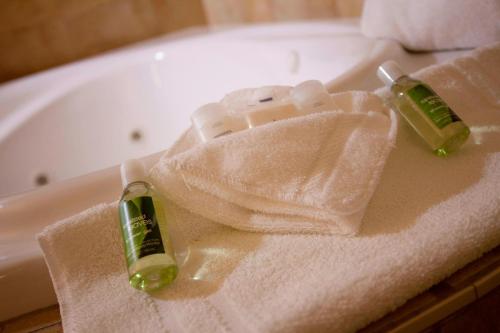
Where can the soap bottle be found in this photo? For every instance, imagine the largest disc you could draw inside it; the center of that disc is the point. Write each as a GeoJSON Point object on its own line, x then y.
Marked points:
{"type": "Point", "coordinates": [424, 110]}
{"type": "Point", "coordinates": [148, 249]}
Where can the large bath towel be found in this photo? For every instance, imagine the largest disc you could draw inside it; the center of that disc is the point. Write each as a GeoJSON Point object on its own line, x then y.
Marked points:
{"type": "Point", "coordinates": [428, 217]}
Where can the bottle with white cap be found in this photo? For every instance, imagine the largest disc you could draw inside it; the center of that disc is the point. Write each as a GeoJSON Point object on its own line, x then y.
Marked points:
{"type": "Point", "coordinates": [212, 121]}
{"type": "Point", "coordinates": [424, 110]}
{"type": "Point", "coordinates": [148, 249]}
{"type": "Point", "coordinates": [311, 96]}
{"type": "Point", "coordinates": [269, 112]}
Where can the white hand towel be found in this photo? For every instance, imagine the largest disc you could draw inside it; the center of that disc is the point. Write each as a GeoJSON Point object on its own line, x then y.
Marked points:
{"type": "Point", "coordinates": [428, 217]}
{"type": "Point", "coordinates": [313, 173]}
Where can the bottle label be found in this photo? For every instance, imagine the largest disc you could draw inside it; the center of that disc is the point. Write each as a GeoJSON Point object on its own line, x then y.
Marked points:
{"type": "Point", "coordinates": [432, 105]}
{"type": "Point", "coordinates": [140, 228]}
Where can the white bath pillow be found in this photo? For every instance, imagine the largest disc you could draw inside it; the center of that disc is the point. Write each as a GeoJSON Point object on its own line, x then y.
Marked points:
{"type": "Point", "coordinates": [433, 24]}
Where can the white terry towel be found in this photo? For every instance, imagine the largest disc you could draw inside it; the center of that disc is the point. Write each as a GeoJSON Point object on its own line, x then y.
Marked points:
{"type": "Point", "coordinates": [428, 217]}
{"type": "Point", "coordinates": [433, 24]}
{"type": "Point", "coordinates": [312, 173]}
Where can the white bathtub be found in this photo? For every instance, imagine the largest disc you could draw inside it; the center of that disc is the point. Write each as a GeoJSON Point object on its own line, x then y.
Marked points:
{"type": "Point", "coordinates": [69, 127]}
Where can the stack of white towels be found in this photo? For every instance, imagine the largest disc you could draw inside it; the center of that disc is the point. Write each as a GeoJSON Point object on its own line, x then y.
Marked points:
{"type": "Point", "coordinates": [293, 227]}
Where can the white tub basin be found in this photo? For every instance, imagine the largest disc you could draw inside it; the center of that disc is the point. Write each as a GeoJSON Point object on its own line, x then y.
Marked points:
{"type": "Point", "coordinates": [91, 115]}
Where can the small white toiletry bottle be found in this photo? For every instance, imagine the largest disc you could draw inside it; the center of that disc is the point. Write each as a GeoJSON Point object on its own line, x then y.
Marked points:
{"type": "Point", "coordinates": [212, 121]}
{"type": "Point", "coordinates": [263, 95]}
{"type": "Point", "coordinates": [269, 112]}
{"type": "Point", "coordinates": [150, 258]}
{"type": "Point", "coordinates": [267, 95]}
{"type": "Point", "coordinates": [311, 96]}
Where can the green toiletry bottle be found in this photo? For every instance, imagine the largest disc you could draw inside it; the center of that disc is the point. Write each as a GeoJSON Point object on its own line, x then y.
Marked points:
{"type": "Point", "coordinates": [148, 250]}
{"type": "Point", "coordinates": [424, 110]}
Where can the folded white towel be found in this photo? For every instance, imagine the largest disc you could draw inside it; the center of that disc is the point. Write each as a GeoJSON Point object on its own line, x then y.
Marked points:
{"type": "Point", "coordinates": [428, 217]}
{"type": "Point", "coordinates": [313, 173]}
{"type": "Point", "coordinates": [433, 24]}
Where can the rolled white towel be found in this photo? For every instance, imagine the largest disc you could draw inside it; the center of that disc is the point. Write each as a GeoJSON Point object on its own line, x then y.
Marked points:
{"type": "Point", "coordinates": [433, 24]}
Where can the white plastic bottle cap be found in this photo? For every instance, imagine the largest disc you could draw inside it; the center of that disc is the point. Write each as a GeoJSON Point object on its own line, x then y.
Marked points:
{"type": "Point", "coordinates": [132, 171]}
{"type": "Point", "coordinates": [208, 113]}
{"type": "Point", "coordinates": [307, 90]}
{"type": "Point", "coordinates": [263, 94]}
{"type": "Point", "coordinates": [389, 72]}
{"type": "Point", "coordinates": [209, 121]}
{"type": "Point", "coordinates": [311, 96]}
